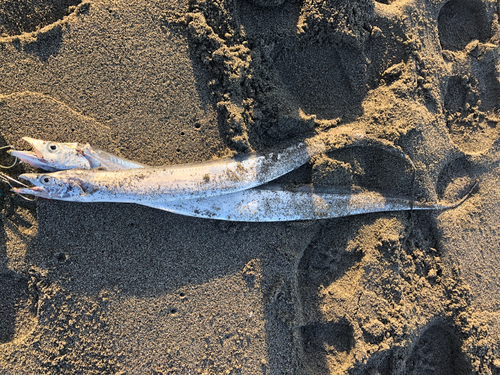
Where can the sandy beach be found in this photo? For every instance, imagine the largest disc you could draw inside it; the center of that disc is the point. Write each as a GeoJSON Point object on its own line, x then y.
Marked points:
{"type": "Point", "coordinates": [104, 288]}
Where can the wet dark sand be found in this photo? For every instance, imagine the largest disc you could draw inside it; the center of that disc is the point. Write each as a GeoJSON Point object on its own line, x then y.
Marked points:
{"type": "Point", "coordinates": [125, 289]}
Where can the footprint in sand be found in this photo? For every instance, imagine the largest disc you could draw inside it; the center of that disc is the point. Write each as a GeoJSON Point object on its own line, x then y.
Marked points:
{"type": "Point", "coordinates": [17, 318]}
{"type": "Point", "coordinates": [463, 21]}
{"type": "Point", "coordinates": [470, 49]}
{"type": "Point", "coordinates": [36, 27]}
{"type": "Point", "coordinates": [372, 302]}
{"type": "Point", "coordinates": [455, 179]}
{"type": "Point", "coordinates": [266, 63]}
{"type": "Point", "coordinates": [25, 16]}
{"type": "Point", "coordinates": [437, 351]}
{"type": "Point", "coordinates": [325, 336]}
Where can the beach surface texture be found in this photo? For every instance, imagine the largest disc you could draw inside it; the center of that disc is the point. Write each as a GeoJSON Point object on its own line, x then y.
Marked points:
{"type": "Point", "coordinates": [106, 288]}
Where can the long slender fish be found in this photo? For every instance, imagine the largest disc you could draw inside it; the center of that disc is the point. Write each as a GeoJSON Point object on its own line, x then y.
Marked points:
{"type": "Point", "coordinates": [271, 202]}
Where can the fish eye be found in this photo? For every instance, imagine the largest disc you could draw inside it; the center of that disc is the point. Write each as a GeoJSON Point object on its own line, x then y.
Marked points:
{"type": "Point", "coordinates": [52, 147]}
{"type": "Point", "coordinates": [45, 180]}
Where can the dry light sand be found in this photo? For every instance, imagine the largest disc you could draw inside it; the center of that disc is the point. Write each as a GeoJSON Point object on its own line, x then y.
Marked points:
{"type": "Point", "coordinates": [124, 289]}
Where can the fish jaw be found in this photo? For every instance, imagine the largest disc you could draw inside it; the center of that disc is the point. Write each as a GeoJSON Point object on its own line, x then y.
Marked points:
{"type": "Point", "coordinates": [33, 159]}
{"type": "Point", "coordinates": [36, 191]}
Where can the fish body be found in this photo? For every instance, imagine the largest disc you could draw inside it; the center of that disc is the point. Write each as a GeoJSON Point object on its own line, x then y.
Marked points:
{"type": "Point", "coordinates": [276, 202]}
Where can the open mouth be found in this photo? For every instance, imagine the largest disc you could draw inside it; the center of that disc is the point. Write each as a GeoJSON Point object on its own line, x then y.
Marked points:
{"type": "Point", "coordinates": [34, 157]}
{"type": "Point", "coordinates": [32, 142]}
{"type": "Point", "coordinates": [34, 191]}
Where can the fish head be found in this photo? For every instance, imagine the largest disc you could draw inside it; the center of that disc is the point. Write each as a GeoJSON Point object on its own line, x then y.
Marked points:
{"type": "Point", "coordinates": [58, 185]}
{"type": "Point", "coordinates": [53, 156]}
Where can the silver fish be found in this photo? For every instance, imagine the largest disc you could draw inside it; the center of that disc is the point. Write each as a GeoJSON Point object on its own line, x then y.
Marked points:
{"type": "Point", "coordinates": [276, 202]}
